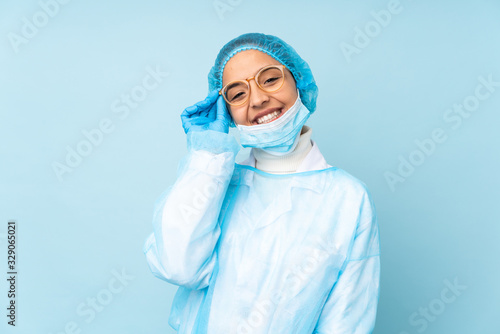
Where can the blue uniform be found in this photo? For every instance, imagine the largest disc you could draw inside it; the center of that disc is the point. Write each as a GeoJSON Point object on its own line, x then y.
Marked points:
{"type": "Point", "coordinates": [254, 252]}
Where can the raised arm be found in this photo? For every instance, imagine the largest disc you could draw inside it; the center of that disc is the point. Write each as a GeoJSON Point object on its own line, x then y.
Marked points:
{"type": "Point", "coordinates": [181, 249]}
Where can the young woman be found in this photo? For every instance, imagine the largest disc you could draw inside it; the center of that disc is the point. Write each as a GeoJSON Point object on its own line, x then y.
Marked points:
{"type": "Point", "coordinates": [281, 243]}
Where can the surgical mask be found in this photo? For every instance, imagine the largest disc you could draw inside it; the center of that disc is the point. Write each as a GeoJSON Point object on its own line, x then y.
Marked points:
{"type": "Point", "coordinates": [278, 137]}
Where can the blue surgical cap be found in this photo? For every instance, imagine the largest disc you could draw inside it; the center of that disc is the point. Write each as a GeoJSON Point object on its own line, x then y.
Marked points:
{"type": "Point", "coordinates": [279, 50]}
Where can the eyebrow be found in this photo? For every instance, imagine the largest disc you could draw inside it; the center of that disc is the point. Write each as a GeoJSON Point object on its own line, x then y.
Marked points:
{"type": "Point", "coordinates": [234, 84]}
{"type": "Point", "coordinates": [231, 86]}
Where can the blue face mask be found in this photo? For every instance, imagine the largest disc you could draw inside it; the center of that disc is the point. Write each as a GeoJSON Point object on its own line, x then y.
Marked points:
{"type": "Point", "coordinates": [280, 136]}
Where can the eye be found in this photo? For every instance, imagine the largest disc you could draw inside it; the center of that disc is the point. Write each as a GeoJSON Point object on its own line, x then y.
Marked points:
{"type": "Point", "coordinates": [238, 96]}
{"type": "Point", "coordinates": [270, 77]}
{"type": "Point", "coordinates": [271, 80]}
{"type": "Point", "coordinates": [236, 91]}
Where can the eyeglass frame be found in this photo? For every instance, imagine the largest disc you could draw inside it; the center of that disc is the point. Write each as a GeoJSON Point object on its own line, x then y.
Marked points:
{"type": "Point", "coordinates": [255, 77]}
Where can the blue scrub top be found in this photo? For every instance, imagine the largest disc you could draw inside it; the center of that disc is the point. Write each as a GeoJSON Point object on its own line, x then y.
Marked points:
{"type": "Point", "coordinates": [254, 252]}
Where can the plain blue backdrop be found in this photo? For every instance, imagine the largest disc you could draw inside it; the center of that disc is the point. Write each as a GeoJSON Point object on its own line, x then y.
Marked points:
{"type": "Point", "coordinates": [403, 106]}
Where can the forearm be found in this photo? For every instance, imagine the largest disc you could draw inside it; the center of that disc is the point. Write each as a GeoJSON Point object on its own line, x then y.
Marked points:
{"type": "Point", "coordinates": [185, 223]}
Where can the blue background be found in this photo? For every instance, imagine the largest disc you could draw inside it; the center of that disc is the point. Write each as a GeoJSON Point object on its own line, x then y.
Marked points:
{"type": "Point", "coordinates": [441, 223]}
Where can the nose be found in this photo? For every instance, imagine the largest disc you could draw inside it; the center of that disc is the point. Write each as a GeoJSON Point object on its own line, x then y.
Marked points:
{"type": "Point", "coordinates": [257, 96]}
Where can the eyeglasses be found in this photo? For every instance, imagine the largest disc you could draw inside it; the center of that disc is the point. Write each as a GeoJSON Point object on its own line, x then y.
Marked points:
{"type": "Point", "coordinates": [269, 79]}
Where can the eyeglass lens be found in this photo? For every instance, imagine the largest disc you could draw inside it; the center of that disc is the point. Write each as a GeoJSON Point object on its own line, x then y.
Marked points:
{"type": "Point", "coordinates": [269, 79]}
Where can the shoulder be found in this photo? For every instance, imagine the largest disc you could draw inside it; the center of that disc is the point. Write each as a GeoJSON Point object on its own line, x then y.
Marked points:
{"type": "Point", "coordinates": [341, 180]}
{"type": "Point", "coordinates": [345, 186]}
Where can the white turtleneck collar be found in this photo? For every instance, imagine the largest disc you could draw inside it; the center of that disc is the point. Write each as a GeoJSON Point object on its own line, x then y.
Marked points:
{"type": "Point", "coordinates": [287, 163]}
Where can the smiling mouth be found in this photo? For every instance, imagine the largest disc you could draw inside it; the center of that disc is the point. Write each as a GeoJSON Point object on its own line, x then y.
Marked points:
{"type": "Point", "coordinates": [269, 117]}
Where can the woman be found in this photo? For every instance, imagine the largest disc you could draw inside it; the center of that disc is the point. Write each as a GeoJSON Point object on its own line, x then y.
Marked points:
{"type": "Point", "coordinates": [281, 243]}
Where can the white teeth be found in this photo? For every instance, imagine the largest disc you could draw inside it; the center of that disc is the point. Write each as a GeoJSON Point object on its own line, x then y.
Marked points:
{"type": "Point", "coordinates": [269, 117]}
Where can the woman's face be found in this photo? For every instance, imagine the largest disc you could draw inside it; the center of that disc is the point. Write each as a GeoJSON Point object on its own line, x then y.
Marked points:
{"type": "Point", "coordinates": [245, 65]}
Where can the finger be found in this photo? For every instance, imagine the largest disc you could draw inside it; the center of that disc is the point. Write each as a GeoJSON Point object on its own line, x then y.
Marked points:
{"type": "Point", "coordinates": [213, 95]}
{"type": "Point", "coordinates": [208, 112]}
{"type": "Point", "coordinates": [210, 99]}
{"type": "Point", "coordinates": [202, 105]}
{"type": "Point", "coordinates": [186, 125]}
{"type": "Point", "coordinates": [222, 112]}
{"type": "Point", "coordinates": [200, 121]}
{"type": "Point", "coordinates": [189, 111]}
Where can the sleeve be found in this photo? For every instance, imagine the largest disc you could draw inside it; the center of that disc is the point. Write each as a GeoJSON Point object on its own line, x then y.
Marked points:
{"type": "Point", "coordinates": [181, 249]}
{"type": "Point", "coordinates": [351, 306]}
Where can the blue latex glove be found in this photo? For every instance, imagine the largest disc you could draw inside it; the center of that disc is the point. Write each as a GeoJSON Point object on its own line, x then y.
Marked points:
{"type": "Point", "coordinates": [209, 114]}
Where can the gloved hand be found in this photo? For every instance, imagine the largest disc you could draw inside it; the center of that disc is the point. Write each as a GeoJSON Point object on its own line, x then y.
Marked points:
{"type": "Point", "coordinates": [209, 114]}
